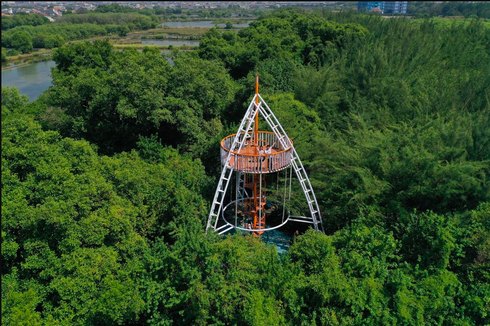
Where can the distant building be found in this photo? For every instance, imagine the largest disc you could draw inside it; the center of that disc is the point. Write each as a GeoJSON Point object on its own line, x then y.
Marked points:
{"type": "Point", "coordinates": [370, 5]}
{"type": "Point", "coordinates": [395, 7]}
{"type": "Point", "coordinates": [387, 7]}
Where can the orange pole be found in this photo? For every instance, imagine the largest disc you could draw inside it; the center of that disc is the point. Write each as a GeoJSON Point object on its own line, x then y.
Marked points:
{"type": "Point", "coordinates": [256, 132]}
{"type": "Point", "coordinates": [255, 210]}
{"type": "Point", "coordinates": [257, 115]}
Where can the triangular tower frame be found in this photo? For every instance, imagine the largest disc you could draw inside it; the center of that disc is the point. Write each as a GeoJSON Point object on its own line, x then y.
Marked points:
{"type": "Point", "coordinates": [246, 131]}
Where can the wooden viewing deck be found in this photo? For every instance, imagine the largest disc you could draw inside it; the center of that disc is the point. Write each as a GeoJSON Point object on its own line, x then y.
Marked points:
{"type": "Point", "coordinates": [248, 160]}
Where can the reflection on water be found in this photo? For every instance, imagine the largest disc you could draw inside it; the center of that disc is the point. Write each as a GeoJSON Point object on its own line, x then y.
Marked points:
{"type": "Point", "coordinates": [35, 78]}
{"type": "Point", "coordinates": [281, 240]}
{"type": "Point", "coordinates": [31, 80]}
{"type": "Point", "coordinates": [278, 237]}
{"type": "Point", "coordinates": [200, 23]}
{"type": "Point", "coordinates": [170, 42]}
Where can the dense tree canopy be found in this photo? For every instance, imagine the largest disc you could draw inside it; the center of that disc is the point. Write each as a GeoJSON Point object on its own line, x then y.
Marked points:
{"type": "Point", "coordinates": [88, 231]}
{"type": "Point", "coordinates": [449, 8]}
{"type": "Point", "coordinates": [18, 40]}
{"type": "Point", "coordinates": [22, 19]}
{"type": "Point", "coordinates": [136, 21]}
{"type": "Point", "coordinates": [178, 102]}
{"type": "Point", "coordinates": [107, 179]}
{"type": "Point", "coordinates": [285, 35]}
{"type": "Point", "coordinates": [73, 27]}
{"type": "Point", "coordinates": [39, 35]}
{"type": "Point", "coordinates": [4, 54]}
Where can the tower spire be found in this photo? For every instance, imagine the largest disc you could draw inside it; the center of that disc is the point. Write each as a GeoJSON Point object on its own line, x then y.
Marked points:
{"type": "Point", "coordinates": [256, 129]}
{"type": "Point", "coordinates": [257, 87]}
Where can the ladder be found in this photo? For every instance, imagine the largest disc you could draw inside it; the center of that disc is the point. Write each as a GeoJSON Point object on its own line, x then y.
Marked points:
{"type": "Point", "coordinates": [270, 118]}
{"type": "Point", "coordinates": [244, 132]}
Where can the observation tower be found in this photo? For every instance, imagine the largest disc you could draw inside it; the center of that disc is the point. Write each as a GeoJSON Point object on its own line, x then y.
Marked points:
{"type": "Point", "coordinates": [252, 159]}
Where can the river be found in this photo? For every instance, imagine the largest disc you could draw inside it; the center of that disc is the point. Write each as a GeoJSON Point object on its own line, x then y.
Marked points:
{"type": "Point", "coordinates": [200, 23]}
{"type": "Point", "coordinates": [169, 42]}
{"type": "Point", "coordinates": [35, 78]}
{"type": "Point", "coordinates": [31, 80]}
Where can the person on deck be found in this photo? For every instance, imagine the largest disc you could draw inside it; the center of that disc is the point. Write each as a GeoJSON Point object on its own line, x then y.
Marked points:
{"type": "Point", "coordinates": [261, 158]}
{"type": "Point", "coordinates": [268, 152]}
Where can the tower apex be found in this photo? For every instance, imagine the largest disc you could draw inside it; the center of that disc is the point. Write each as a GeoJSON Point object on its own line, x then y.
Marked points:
{"type": "Point", "coordinates": [256, 83]}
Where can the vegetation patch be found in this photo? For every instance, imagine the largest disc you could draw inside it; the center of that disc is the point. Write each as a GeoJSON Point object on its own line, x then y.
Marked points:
{"type": "Point", "coordinates": [107, 178]}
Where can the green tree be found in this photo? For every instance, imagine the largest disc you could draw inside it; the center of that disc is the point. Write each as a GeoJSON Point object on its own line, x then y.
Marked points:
{"type": "Point", "coordinates": [4, 54]}
{"type": "Point", "coordinates": [21, 19]}
{"type": "Point", "coordinates": [18, 305]}
{"type": "Point", "coordinates": [12, 100]}
{"type": "Point", "coordinates": [53, 41]}
{"type": "Point", "coordinates": [181, 103]}
{"type": "Point", "coordinates": [281, 35]}
{"type": "Point", "coordinates": [123, 30]}
{"type": "Point", "coordinates": [389, 116]}
{"type": "Point", "coordinates": [21, 41]}
{"type": "Point", "coordinates": [76, 226]}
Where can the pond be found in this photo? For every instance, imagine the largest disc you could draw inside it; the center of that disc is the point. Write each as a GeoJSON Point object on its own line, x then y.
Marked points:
{"type": "Point", "coordinates": [200, 23]}
{"type": "Point", "coordinates": [280, 238]}
{"type": "Point", "coordinates": [170, 42]}
{"type": "Point", "coordinates": [35, 78]}
{"type": "Point", "coordinates": [31, 80]}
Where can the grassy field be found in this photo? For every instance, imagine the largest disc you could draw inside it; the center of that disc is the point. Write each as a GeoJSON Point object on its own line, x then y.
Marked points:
{"type": "Point", "coordinates": [27, 58]}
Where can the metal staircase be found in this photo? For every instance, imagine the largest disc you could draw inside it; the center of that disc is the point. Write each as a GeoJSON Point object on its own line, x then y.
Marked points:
{"type": "Point", "coordinates": [242, 192]}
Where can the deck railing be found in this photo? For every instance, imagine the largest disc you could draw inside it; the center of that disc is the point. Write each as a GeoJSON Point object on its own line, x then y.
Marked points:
{"type": "Point", "coordinates": [244, 161]}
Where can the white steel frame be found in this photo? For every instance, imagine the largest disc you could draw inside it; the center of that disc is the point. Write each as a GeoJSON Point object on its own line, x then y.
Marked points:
{"type": "Point", "coordinates": [243, 134]}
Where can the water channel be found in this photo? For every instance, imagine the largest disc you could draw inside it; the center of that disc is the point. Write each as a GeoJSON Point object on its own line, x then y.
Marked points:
{"type": "Point", "coordinates": [200, 23]}
{"type": "Point", "coordinates": [169, 42]}
{"type": "Point", "coordinates": [33, 79]}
